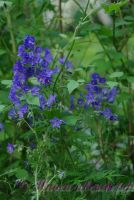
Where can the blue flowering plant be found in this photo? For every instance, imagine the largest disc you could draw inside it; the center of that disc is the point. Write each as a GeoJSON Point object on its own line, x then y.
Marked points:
{"type": "Point", "coordinates": [33, 80]}
{"type": "Point", "coordinates": [97, 97]}
{"type": "Point", "coordinates": [42, 110]}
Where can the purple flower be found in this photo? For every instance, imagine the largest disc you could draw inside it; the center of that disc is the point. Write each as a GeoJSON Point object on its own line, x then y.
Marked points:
{"type": "Point", "coordinates": [95, 76]}
{"type": "Point", "coordinates": [51, 100]}
{"type": "Point", "coordinates": [102, 80]}
{"type": "Point", "coordinates": [72, 106]}
{"type": "Point", "coordinates": [94, 82]}
{"type": "Point", "coordinates": [35, 90]}
{"type": "Point", "coordinates": [29, 42]}
{"type": "Point", "coordinates": [64, 61]}
{"type": "Point", "coordinates": [42, 101]}
{"type": "Point", "coordinates": [107, 113]}
{"type": "Point", "coordinates": [30, 64]}
{"type": "Point", "coordinates": [22, 111]}
{"type": "Point", "coordinates": [10, 148]}
{"type": "Point", "coordinates": [56, 123]}
{"type": "Point", "coordinates": [45, 77]}
{"type": "Point", "coordinates": [48, 56]}
{"type": "Point", "coordinates": [80, 101]}
{"type": "Point", "coordinates": [1, 127]}
{"type": "Point", "coordinates": [98, 95]}
{"type": "Point", "coordinates": [90, 98]}
{"type": "Point", "coordinates": [112, 95]}
{"type": "Point", "coordinates": [12, 114]}
{"type": "Point", "coordinates": [21, 50]}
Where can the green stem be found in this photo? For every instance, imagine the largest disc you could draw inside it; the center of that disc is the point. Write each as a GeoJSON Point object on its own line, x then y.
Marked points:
{"type": "Point", "coordinates": [36, 183]}
{"type": "Point", "coordinates": [67, 149]}
{"type": "Point", "coordinates": [10, 27]}
{"type": "Point", "coordinates": [31, 129]}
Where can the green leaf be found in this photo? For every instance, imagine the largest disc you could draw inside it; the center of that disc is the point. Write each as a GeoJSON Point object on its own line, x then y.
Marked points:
{"type": "Point", "coordinates": [2, 52]}
{"type": "Point", "coordinates": [33, 81]}
{"type": "Point", "coordinates": [72, 85]}
{"type": "Point", "coordinates": [116, 74]}
{"type": "Point", "coordinates": [2, 108]}
{"type": "Point", "coordinates": [8, 83]}
{"type": "Point", "coordinates": [7, 3]}
{"type": "Point", "coordinates": [32, 100]}
{"type": "Point", "coordinates": [71, 120]}
{"type": "Point", "coordinates": [130, 79]}
{"type": "Point", "coordinates": [81, 81]}
{"type": "Point", "coordinates": [21, 174]}
{"type": "Point", "coordinates": [112, 83]}
{"type": "Point", "coordinates": [114, 6]}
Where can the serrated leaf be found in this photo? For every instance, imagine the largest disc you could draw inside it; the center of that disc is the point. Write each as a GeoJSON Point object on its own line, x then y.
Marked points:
{"type": "Point", "coordinates": [72, 85]}
{"type": "Point", "coordinates": [116, 74]}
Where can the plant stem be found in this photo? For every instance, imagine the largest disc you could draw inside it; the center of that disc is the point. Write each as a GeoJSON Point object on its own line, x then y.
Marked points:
{"type": "Point", "coordinates": [10, 27]}
{"type": "Point", "coordinates": [36, 184]}
{"type": "Point", "coordinates": [60, 16]}
{"type": "Point", "coordinates": [67, 149]}
{"type": "Point", "coordinates": [31, 129]}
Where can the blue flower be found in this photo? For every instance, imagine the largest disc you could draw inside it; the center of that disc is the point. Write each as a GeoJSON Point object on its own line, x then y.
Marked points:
{"type": "Point", "coordinates": [95, 76]}
{"type": "Point", "coordinates": [30, 64]}
{"type": "Point", "coordinates": [22, 111]}
{"type": "Point", "coordinates": [35, 90]}
{"type": "Point", "coordinates": [1, 127]}
{"type": "Point", "coordinates": [72, 105]}
{"type": "Point", "coordinates": [98, 95]}
{"type": "Point", "coordinates": [29, 42]}
{"type": "Point", "coordinates": [90, 98]}
{"type": "Point", "coordinates": [10, 148]}
{"type": "Point", "coordinates": [56, 123]}
{"type": "Point", "coordinates": [112, 94]}
{"type": "Point", "coordinates": [80, 101]}
{"type": "Point", "coordinates": [42, 101]}
{"type": "Point", "coordinates": [64, 61]}
{"type": "Point", "coordinates": [51, 100]}
{"type": "Point", "coordinates": [107, 113]}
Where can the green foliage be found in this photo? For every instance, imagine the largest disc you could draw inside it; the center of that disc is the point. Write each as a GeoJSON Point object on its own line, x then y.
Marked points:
{"type": "Point", "coordinates": [87, 148]}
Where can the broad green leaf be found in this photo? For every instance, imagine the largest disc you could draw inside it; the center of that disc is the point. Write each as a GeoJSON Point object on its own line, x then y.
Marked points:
{"type": "Point", "coordinates": [71, 120]}
{"type": "Point", "coordinates": [72, 85]}
{"type": "Point", "coordinates": [32, 100]}
{"type": "Point", "coordinates": [21, 174]}
{"type": "Point", "coordinates": [116, 74]}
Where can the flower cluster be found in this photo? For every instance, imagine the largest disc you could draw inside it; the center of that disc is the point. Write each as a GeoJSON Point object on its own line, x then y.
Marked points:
{"type": "Point", "coordinates": [33, 62]}
{"type": "Point", "coordinates": [98, 96]}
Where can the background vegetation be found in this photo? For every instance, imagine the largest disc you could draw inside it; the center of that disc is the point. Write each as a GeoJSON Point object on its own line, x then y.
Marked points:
{"type": "Point", "coordinates": [88, 148]}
